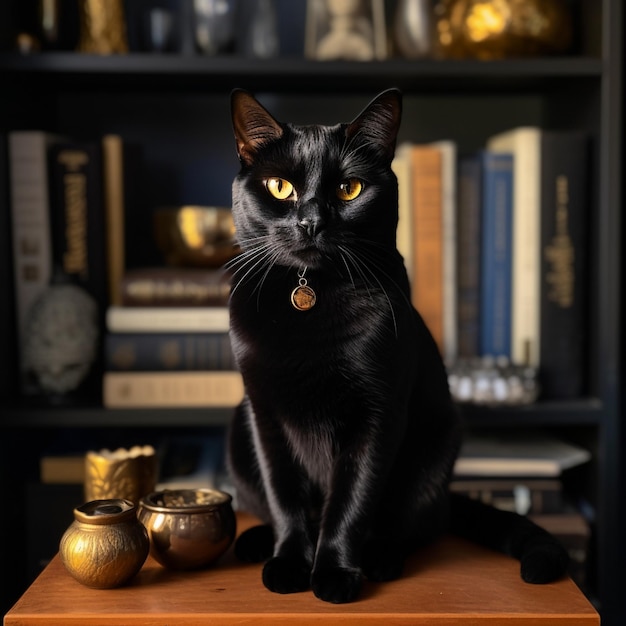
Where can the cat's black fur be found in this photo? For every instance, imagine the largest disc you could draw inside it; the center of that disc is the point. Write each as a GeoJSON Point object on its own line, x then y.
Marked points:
{"type": "Point", "coordinates": [345, 441]}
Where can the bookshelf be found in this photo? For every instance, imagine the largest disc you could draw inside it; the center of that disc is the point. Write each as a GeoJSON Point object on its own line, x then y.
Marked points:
{"type": "Point", "coordinates": [172, 99]}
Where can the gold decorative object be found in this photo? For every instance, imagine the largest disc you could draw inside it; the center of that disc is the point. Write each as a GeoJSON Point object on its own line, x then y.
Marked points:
{"type": "Point", "coordinates": [188, 528]}
{"type": "Point", "coordinates": [200, 236]}
{"type": "Point", "coordinates": [102, 27]}
{"type": "Point", "coordinates": [127, 474]}
{"type": "Point", "coordinates": [106, 545]}
{"type": "Point", "coordinates": [496, 29]}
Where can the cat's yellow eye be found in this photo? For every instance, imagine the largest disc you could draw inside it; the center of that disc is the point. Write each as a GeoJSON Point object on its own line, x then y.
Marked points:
{"type": "Point", "coordinates": [280, 188]}
{"type": "Point", "coordinates": [349, 189]}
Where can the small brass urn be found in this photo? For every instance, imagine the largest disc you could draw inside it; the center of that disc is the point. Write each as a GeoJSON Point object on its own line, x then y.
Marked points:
{"type": "Point", "coordinates": [106, 545]}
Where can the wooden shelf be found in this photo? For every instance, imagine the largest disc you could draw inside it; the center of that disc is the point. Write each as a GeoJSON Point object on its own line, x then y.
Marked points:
{"type": "Point", "coordinates": [583, 412]}
{"type": "Point", "coordinates": [289, 74]}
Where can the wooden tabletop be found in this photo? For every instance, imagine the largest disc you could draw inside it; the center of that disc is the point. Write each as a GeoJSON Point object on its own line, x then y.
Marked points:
{"type": "Point", "coordinates": [452, 582]}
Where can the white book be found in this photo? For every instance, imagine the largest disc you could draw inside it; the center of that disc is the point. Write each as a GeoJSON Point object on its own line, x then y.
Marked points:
{"type": "Point", "coordinates": [140, 319]}
{"type": "Point", "coordinates": [213, 388]}
{"type": "Point", "coordinates": [525, 145]}
{"type": "Point", "coordinates": [448, 150]}
{"type": "Point", "coordinates": [30, 212]}
{"type": "Point", "coordinates": [402, 168]}
{"type": "Point", "coordinates": [527, 455]}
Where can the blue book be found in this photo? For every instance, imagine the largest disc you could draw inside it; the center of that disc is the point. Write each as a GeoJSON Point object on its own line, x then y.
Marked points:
{"type": "Point", "coordinates": [159, 352]}
{"type": "Point", "coordinates": [496, 262]}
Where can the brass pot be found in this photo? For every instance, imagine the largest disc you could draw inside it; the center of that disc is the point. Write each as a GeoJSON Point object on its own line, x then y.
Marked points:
{"type": "Point", "coordinates": [188, 528]}
{"type": "Point", "coordinates": [106, 545]}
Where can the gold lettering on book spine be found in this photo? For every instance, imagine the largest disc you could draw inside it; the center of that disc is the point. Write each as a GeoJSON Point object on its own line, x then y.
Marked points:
{"type": "Point", "coordinates": [560, 253]}
{"type": "Point", "coordinates": [75, 195]}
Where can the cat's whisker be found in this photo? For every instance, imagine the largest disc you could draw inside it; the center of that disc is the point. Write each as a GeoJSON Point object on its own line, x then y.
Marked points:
{"type": "Point", "coordinates": [356, 263]}
{"type": "Point", "coordinates": [255, 262]}
{"type": "Point", "coordinates": [364, 264]}
{"type": "Point", "coordinates": [258, 288]}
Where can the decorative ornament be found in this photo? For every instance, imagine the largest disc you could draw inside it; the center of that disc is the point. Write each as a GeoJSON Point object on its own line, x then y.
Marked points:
{"type": "Point", "coordinates": [61, 338]}
{"type": "Point", "coordinates": [500, 29]}
{"type": "Point", "coordinates": [303, 297]}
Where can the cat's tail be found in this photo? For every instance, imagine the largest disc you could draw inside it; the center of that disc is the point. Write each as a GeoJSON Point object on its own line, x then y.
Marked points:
{"type": "Point", "coordinates": [542, 558]}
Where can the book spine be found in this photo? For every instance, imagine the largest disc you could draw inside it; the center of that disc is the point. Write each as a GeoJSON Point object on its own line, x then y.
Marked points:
{"type": "Point", "coordinates": [78, 216]}
{"type": "Point", "coordinates": [563, 258]}
{"type": "Point", "coordinates": [9, 355]}
{"type": "Point", "coordinates": [168, 352]}
{"type": "Point", "coordinates": [469, 255]}
{"type": "Point", "coordinates": [179, 288]}
{"type": "Point", "coordinates": [113, 183]}
{"type": "Point", "coordinates": [523, 496]}
{"type": "Point", "coordinates": [449, 247]}
{"type": "Point", "coordinates": [496, 266]}
{"type": "Point", "coordinates": [524, 144]}
{"type": "Point", "coordinates": [32, 235]}
{"type": "Point", "coordinates": [172, 389]}
{"type": "Point", "coordinates": [427, 287]}
{"type": "Point", "coordinates": [167, 319]}
{"type": "Point", "coordinates": [402, 168]}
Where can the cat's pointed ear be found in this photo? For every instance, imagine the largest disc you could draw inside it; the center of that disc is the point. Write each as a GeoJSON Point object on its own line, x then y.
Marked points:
{"type": "Point", "coordinates": [253, 125]}
{"type": "Point", "coordinates": [379, 122]}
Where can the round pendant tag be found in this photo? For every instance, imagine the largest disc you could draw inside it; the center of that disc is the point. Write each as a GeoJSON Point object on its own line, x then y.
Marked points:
{"type": "Point", "coordinates": [303, 298]}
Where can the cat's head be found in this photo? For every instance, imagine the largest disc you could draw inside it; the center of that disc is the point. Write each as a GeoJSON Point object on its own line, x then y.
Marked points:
{"type": "Point", "coordinates": [309, 196]}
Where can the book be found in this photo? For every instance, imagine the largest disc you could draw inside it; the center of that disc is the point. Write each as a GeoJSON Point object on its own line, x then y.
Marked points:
{"type": "Point", "coordinates": [132, 319]}
{"type": "Point", "coordinates": [524, 143]}
{"type": "Point", "coordinates": [528, 454]}
{"type": "Point", "coordinates": [496, 278]}
{"type": "Point", "coordinates": [77, 215]}
{"type": "Point", "coordinates": [469, 252]}
{"type": "Point", "coordinates": [114, 202]}
{"type": "Point", "coordinates": [168, 351]}
{"type": "Point", "coordinates": [175, 286]}
{"type": "Point", "coordinates": [449, 175]}
{"type": "Point", "coordinates": [563, 261]}
{"type": "Point", "coordinates": [172, 389]}
{"type": "Point", "coordinates": [62, 469]}
{"type": "Point", "coordinates": [402, 168]}
{"type": "Point", "coordinates": [8, 354]}
{"type": "Point", "coordinates": [522, 495]}
{"type": "Point", "coordinates": [427, 271]}
{"type": "Point", "coordinates": [31, 227]}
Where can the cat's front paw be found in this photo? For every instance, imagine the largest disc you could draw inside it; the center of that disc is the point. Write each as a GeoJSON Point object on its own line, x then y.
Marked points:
{"type": "Point", "coordinates": [336, 584]}
{"type": "Point", "coordinates": [286, 575]}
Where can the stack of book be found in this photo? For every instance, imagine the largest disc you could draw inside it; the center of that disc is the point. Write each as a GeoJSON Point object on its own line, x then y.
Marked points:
{"type": "Point", "coordinates": [524, 473]}
{"type": "Point", "coordinates": [495, 245]}
{"type": "Point", "coordinates": [167, 342]}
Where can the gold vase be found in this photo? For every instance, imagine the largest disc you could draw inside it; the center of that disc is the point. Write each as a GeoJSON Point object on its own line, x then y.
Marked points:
{"type": "Point", "coordinates": [126, 474]}
{"type": "Point", "coordinates": [497, 29]}
{"type": "Point", "coordinates": [106, 545]}
{"type": "Point", "coordinates": [102, 27]}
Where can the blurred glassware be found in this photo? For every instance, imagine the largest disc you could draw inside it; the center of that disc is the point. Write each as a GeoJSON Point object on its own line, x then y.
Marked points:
{"type": "Point", "coordinates": [261, 38]}
{"type": "Point", "coordinates": [214, 25]}
{"type": "Point", "coordinates": [413, 28]}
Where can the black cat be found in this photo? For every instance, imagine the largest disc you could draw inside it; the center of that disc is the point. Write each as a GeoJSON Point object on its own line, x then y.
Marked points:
{"type": "Point", "coordinates": [346, 439]}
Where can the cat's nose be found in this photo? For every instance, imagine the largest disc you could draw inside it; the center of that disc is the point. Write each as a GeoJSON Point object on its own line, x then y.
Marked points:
{"type": "Point", "coordinates": [312, 225]}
